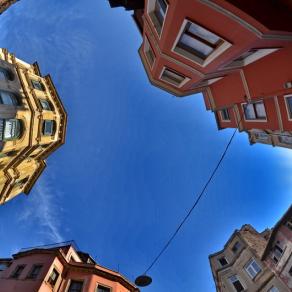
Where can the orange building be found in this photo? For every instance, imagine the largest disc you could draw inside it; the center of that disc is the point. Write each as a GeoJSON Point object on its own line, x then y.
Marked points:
{"type": "Point", "coordinates": [236, 52]}
{"type": "Point", "coordinates": [59, 267]}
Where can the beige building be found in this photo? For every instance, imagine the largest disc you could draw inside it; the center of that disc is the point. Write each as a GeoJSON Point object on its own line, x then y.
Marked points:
{"type": "Point", "coordinates": [32, 124]}
{"type": "Point", "coordinates": [4, 4]}
{"type": "Point", "coordinates": [253, 261]}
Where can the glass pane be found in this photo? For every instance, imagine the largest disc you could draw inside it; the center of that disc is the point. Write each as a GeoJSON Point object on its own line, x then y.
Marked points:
{"type": "Point", "coordinates": [256, 267]}
{"type": "Point", "coordinates": [48, 127]}
{"type": "Point", "coordinates": [285, 139]}
{"type": "Point", "coordinates": [6, 98]}
{"type": "Point", "coordinates": [3, 75]}
{"type": "Point", "coordinates": [203, 33]}
{"type": "Point", "coordinates": [9, 130]}
{"type": "Point", "coordinates": [238, 286]}
{"type": "Point", "coordinates": [260, 110]}
{"type": "Point", "coordinates": [249, 112]}
{"type": "Point", "coordinates": [196, 45]}
{"type": "Point", "coordinates": [45, 104]}
{"type": "Point", "coordinates": [289, 104]}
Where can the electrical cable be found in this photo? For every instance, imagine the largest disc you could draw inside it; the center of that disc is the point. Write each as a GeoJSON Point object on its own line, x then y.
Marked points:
{"type": "Point", "coordinates": [194, 205]}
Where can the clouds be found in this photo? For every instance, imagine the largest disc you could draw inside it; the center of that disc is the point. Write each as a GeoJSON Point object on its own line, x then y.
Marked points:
{"type": "Point", "coordinates": [42, 213]}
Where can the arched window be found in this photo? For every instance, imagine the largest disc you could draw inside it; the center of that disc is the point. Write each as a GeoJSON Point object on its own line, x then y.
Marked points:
{"type": "Point", "coordinates": [5, 74]}
{"type": "Point", "coordinates": [10, 129]}
{"type": "Point", "coordinates": [8, 98]}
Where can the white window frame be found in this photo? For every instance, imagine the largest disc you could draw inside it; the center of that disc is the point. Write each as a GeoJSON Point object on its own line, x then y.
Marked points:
{"type": "Point", "coordinates": [289, 112]}
{"type": "Point", "coordinates": [147, 47]}
{"type": "Point", "coordinates": [257, 55]}
{"type": "Point", "coordinates": [249, 265]}
{"type": "Point", "coordinates": [222, 117]}
{"type": "Point", "coordinates": [184, 82]}
{"type": "Point", "coordinates": [99, 284]}
{"type": "Point", "coordinates": [196, 59]}
{"type": "Point", "coordinates": [151, 9]}
{"type": "Point", "coordinates": [254, 120]}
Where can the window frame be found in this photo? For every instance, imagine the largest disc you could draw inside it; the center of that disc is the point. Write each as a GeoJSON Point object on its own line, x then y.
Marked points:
{"type": "Point", "coordinates": [283, 248]}
{"type": "Point", "coordinates": [44, 133]}
{"type": "Point", "coordinates": [36, 81]}
{"type": "Point", "coordinates": [249, 264]}
{"type": "Point", "coordinates": [75, 280]}
{"type": "Point", "coordinates": [13, 97]}
{"type": "Point", "coordinates": [272, 289]}
{"type": "Point", "coordinates": [223, 257]}
{"type": "Point", "coordinates": [9, 76]}
{"type": "Point", "coordinates": [48, 104]}
{"type": "Point", "coordinates": [253, 104]}
{"type": "Point", "coordinates": [239, 280]}
{"type": "Point", "coordinates": [147, 50]}
{"type": "Point", "coordinates": [289, 110]}
{"type": "Point", "coordinates": [49, 277]}
{"type": "Point", "coordinates": [151, 7]}
{"type": "Point", "coordinates": [226, 111]}
{"type": "Point", "coordinates": [202, 62]}
{"type": "Point", "coordinates": [13, 274]}
{"type": "Point", "coordinates": [183, 83]}
{"type": "Point", "coordinates": [235, 248]}
{"type": "Point", "coordinates": [18, 129]}
{"type": "Point", "coordinates": [105, 286]}
{"type": "Point", "coordinates": [30, 273]}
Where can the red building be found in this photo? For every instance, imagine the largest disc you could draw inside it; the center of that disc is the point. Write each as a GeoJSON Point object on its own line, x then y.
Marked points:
{"type": "Point", "coordinates": [59, 267]}
{"type": "Point", "coordinates": [238, 53]}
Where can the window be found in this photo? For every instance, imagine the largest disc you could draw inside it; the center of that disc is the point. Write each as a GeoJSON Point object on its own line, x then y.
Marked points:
{"type": "Point", "coordinates": [46, 105]}
{"type": "Point", "coordinates": [223, 262]}
{"type": "Point", "coordinates": [75, 286]}
{"type": "Point", "coordinates": [254, 111]}
{"type": "Point", "coordinates": [103, 289]}
{"type": "Point", "coordinates": [173, 77]}
{"type": "Point", "coordinates": [48, 127]}
{"type": "Point", "coordinates": [8, 98]}
{"type": "Point", "coordinates": [261, 136]}
{"type": "Point", "coordinates": [289, 105]}
{"type": "Point", "coordinates": [37, 85]}
{"type": "Point", "coordinates": [149, 52]}
{"type": "Point", "coordinates": [277, 252]}
{"type": "Point", "coordinates": [290, 271]}
{"type": "Point", "coordinates": [53, 277]}
{"type": "Point", "coordinates": [3, 267]}
{"type": "Point", "coordinates": [285, 139]}
{"type": "Point", "coordinates": [236, 247]}
{"type": "Point", "coordinates": [236, 283]}
{"type": "Point", "coordinates": [5, 74]}
{"type": "Point", "coordinates": [21, 182]}
{"type": "Point", "coordinates": [253, 268]}
{"type": "Point", "coordinates": [225, 114]}
{"type": "Point", "coordinates": [34, 272]}
{"type": "Point", "coordinates": [157, 11]}
{"type": "Point", "coordinates": [10, 129]}
{"type": "Point", "coordinates": [199, 44]}
{"type": "Point", "coordinates": [17, 271]}
{"type": "Point", "coordinates": [274, 289]}
{"type": "Point", "coordinates": [289, 224]}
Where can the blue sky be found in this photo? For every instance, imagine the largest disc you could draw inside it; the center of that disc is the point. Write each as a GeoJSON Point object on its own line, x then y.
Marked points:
{"type": "Point", "coordinates": [135, 157]}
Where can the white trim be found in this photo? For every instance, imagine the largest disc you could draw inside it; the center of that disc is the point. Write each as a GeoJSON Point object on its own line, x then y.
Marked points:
{"type": "Point", "coordinates": [249, 264]}
{"type": "Point", "coordinates": [260, 53]}
{"type": "Point", "coordinates": [245, 84]}
{"type": "Point", "coordinates": [279, 115]}
{"type": "Point", "coordinates": [150, 9]}
{"type": "Point", "coordinates": [221, 116]}
{"type": "Point", "coordinates": [184, 82]}
{"type": "Point", "coordinates": [203, 63]}
{"type": "Point", "coordinates": [287, 107]}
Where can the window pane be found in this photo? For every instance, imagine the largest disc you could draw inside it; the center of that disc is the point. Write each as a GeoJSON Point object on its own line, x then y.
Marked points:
{"type": "Point", "coordinates": [274, 289]}
{"type": "Point", "coordinates": [3, 75]}
{"type": "Point", "coordinates": [249, 112]}
{"type": "Point", "coordinates": [7, 98]}
{"type": "Point", "coordinates": [223, 261]}
{"type": "Point", "coordinates": [160, 9]}
{"type": "Point", "coordinates": [172, 77]}
{"type": "Point", "coordinates": [238, 286]}
{"type": "Point", "coordinates": [203, 33]}
{"type": "Point", "coordinates": [45, 104]}
{"type": "Point", "coordinates": [103, 289]}
{"type": "Point", "coordinates": [289, 104]}
{"type": "Point", "coordinates": [48, 127]}
{"type": "Point", "coordinates": [285, 139]}
{"type": "Point", "coordinates": [260, 110]}
{"type": "Point", "coordinates": [10, 130]}
{"type": "Point", "coordinates": [75, 286]}
{"type": "Point", "coordinates": [195, 45]}
{"type": "Point", "coordinates": [236, 247]}
{"type": "Point", "coordinates": [256, 267]}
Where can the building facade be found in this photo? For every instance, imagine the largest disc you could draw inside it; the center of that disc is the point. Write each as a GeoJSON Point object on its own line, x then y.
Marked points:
{"type": "Point", "coordinates": [235, 52]}
{"type": "Point", "coordinates": [5, 4]}
{"type": "Point", "coordinates": [59, 267]}
{"type": "Point", "coordinates": [254, 261]}
{"type": "Point", "coordinates": [32, 124]}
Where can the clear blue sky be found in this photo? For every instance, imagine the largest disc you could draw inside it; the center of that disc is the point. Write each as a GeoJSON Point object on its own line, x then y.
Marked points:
{"type": "Point", "coordinates": [135, 157]}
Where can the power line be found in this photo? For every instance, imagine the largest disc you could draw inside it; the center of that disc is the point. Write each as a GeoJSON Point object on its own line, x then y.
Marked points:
{"type": "Point", "coordinates": [194, 205]}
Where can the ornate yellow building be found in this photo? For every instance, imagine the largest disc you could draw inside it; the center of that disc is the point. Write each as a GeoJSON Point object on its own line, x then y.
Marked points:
{"type": "Point", "coordinates": [4, 4]}
{"type": "Point", "coordinates": [32, 124]}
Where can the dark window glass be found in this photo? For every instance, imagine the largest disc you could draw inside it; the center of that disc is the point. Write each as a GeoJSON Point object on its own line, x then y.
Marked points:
{"type": "Point", "coordinates": [8, 98]}
{"type": "Point", "coordinates": [17, 271]}
{"type": "Point", "coordinates": [160, 10]}
{"type": "Point", "coordinates": [290, 271]}
{"type": "Point", "coordinates": [48, 127]}
{"type": "Point", "coordinates": [172, 77]}
{"type": "Point", "coordinates": [223, 261]}
{"type": "Point", "coordinates": [289, 105]}
{"type": "Point", "coordinates": [46, 105]}
{"type": "Point", "coordinates": [5, 74]}
{"type": "Point", "coordinates": [236, 247]}
{"type": "Point", "coordinates": [37, 85]}
{"type": "Point", "coordinates": [75, 286]}
{"type": "Point", "coordinates": [34, 272]}
{"type": "Point", "coordinates": [53, 277]}
{"type": "Point", "coordinates": [103, 289]}
{"type": "Point", "coordinates": [225, 114]}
